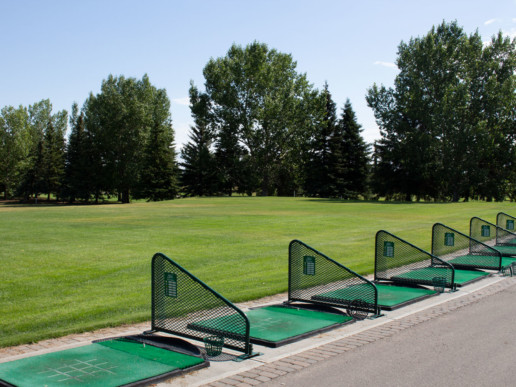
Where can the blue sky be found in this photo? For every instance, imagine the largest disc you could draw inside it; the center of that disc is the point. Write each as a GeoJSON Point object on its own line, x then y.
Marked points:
{"type": "Point", "coordinates": [62, 50]}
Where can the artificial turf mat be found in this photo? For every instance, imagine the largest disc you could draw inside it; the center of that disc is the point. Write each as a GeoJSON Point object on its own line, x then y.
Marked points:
{"type": "Point", "coordinates": [275, 324]}
{"type": "Point", "coordinates": [461, 276]}
{"type": "Point", "coordinates": [506, 250]}
{"type": "Point", "coordinates": [109, 363]}
{"type": "Point", "coordinates": [482, 261]}
{"type": "Point", "coordinates": [389, 296]}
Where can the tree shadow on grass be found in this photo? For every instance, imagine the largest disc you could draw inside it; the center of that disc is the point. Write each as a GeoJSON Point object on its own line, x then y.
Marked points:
{"type": "Point", "coordinates": [379, 202]}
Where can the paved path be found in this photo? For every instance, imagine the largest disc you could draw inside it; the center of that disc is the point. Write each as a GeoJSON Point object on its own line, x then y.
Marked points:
{"type": "Point", "coordinates": [473, 346]}
{"type": "Point", "coordinates": [436, 356]}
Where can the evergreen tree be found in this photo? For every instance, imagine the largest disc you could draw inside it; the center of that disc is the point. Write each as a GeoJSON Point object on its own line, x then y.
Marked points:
{"type": "Point", "coordinates": [31, 185]}
{"type": "Point", "coordinates": [319, 172]}
{"type": "Point", "coordinates": [159, 173]}
{"type": "Point", "coordinates": [78, 181]}
{"type": "Point", "coordinates": [199, 176]}
{"type": "Point", "coordinates": [53, 158]}
{"type": "Point", "coordinates": [228, 158]}
{"type": "Point", "coordinates": [353, 167]}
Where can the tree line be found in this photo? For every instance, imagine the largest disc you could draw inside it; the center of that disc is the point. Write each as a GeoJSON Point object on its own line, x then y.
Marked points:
{"type": "Point", "coordinates": [448, 126]}
{"type": "Point", "coordinates": [447, 132]}
{"type": "Point", "coordinates": [262, 127]}
{"type": "Point", "coordinates": [121, 145]}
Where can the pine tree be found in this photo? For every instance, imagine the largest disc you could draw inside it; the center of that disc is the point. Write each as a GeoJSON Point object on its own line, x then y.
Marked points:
{"type": "Point", "coordinates": [228, 157]}
{"type": "Point", "coordinates": [159, 172]}
{"type": "Point", "coordinates": [319, 174]}
{"type": "Point", "coordinates": [53, 160]}
{"type": "Point", "coordinates": [78, 181]}
{"type": "Point", "coordinates": [159, 177]}
{"type": "Point", "coordinates": [199, 176]}
{"type": "Point", "coordinates": [355, 154]}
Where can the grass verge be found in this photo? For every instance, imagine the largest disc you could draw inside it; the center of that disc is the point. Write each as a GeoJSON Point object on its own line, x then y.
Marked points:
{"type": "Point", "coordinates": [68, 269]}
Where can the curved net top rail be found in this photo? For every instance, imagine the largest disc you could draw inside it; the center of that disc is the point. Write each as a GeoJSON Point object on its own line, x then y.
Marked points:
{"type": "Point", "coordinates": [462, 250]}
{"type": "Point", "coordinates": [399, 261]}
{"type": "Point", "coordinates": [318, 279]}
{"type": "Point", "coordinates": [185, 306]}
{"type": "Point", "coordinates": [490, 233]}
{"type": "Point", "coordinates": [507, 222]}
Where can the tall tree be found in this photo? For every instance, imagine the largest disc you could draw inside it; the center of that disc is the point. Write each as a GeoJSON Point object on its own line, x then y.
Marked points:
{"type": "Point", "coordinates": [53, 155]}
{"type": "Point", "coordinates": [40, 114]}
{"type": "Point", "coordinates": [79, 171]}
{"type": "Point", "coordinates": [229, 159]}
{"type": "Point", "coordinates": [495, 82]}
{"type": "Point", "coordinates": [319, 172]}
{"type": "Point", "coordinates": [119, 120]}
{"type": "Point", "coordinates": [437, 139]}
{"type": "Point", "coordinates": [159, 174]}
{"type": "Point", "coordinates": [352, 161]}
{"type": "Point", "coordinates": [257, 92]}
{"type": "Point", "coordinates": [14, 147]}
{"type": "Point", "coordinates": [199, 176]}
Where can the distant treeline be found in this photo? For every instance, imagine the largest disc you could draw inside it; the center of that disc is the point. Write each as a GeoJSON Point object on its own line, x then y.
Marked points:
{"type": "Point", "coordinates": [448, 132]}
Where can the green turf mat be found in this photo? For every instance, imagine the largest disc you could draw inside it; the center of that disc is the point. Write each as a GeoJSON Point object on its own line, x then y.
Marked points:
{"type": "Point", "coordinates": [388, 296]}
{"type": "Point", "coordinates": [392, 296]}
{"type": "Point", "coordinates": [461, 276]}
{"type": "Point", "coordinates": [110, 363]}
{"type": "Point", "coordinates": [506, 250]}
{"type": "Point", "coordinates": [276, 323]}
{"type": "Point", "coordinates": [482, 261]}
{"type": "Point", "coordinates": [344, 296]}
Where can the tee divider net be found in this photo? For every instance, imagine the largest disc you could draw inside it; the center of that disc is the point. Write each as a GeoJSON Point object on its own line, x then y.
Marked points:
{"type": "Point", "coordinates": [315, 278]}
{"type": "Point", "coordinates": [401, 263]}
{"type": "Point", "coordinates": [487, 232]}
{"type": "Point", "coordinates": [463, 251]}
{"type": "Point", "coordinates": [181, 303]}
{"type": "Point", "coordinates": [507, 222]}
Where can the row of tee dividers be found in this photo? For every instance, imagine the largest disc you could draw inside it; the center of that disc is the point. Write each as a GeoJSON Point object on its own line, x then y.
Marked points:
{"type": "Point", "coordinates": [185, 306]}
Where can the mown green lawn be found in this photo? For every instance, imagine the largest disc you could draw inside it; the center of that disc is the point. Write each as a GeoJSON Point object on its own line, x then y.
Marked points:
{"type": "Point", "coordinates": [67, 269]}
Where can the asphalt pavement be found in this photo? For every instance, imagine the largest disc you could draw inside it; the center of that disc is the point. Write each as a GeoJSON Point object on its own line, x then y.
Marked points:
{"type": "Point", "coordinates": [473, 346]}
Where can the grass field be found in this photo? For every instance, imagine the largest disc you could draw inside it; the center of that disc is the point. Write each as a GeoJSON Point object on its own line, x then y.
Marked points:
{"type": "Point", "coordinates": [68, 269]}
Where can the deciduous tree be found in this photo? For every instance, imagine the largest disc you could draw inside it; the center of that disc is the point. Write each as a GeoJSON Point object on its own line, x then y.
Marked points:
{"type": "Point", "coordinates": [257, 92]}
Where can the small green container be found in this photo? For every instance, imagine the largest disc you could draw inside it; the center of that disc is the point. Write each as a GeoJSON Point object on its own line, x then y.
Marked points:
{"type": "Point", "coordinates": [213, 345]}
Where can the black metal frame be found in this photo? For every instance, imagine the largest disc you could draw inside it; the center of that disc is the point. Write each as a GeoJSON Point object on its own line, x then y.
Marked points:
{"type": "Point", "coordinates": [328, 275]}
{"type": "Point", "coordinates": [389, 268]}
{"type": "Point", "coordinates": [177, 315]}
{"type": "Point", "coordinates": [475, 247]}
